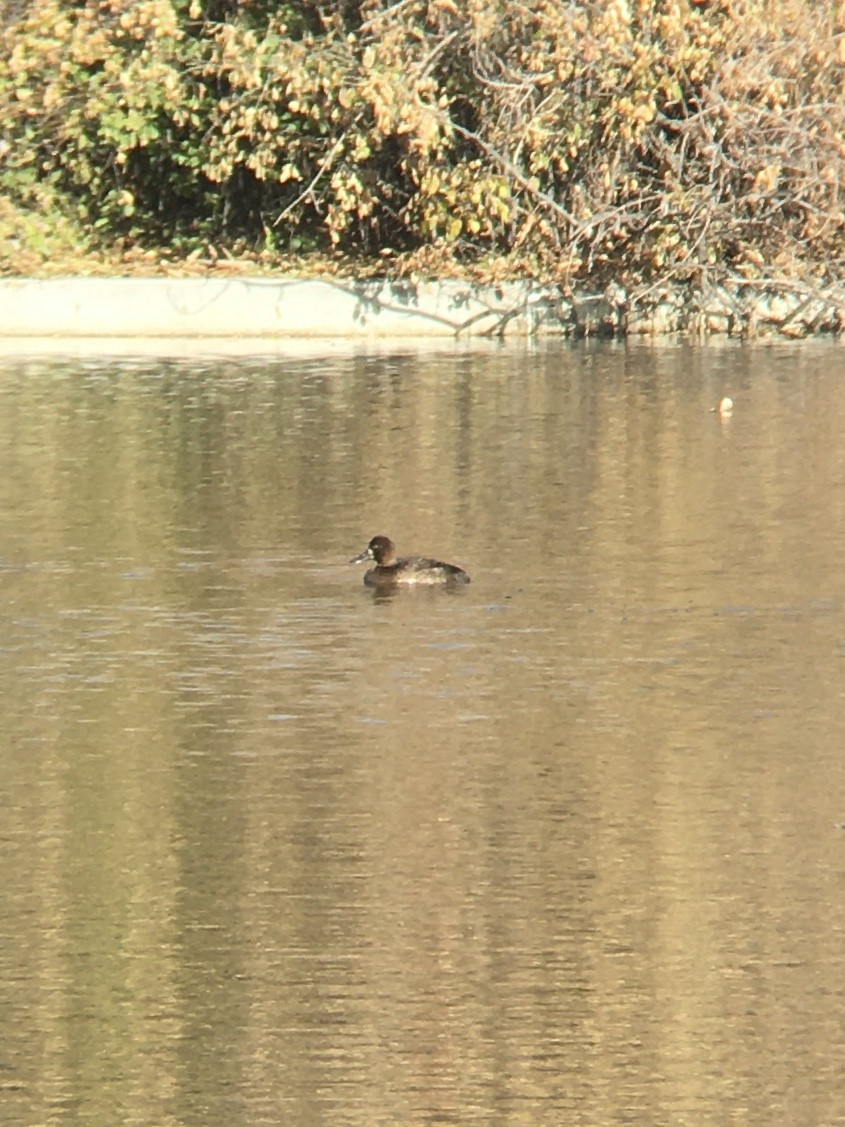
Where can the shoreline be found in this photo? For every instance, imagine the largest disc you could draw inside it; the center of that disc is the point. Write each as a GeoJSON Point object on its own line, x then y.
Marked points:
{"type": "Point", "coordinates": [287, 308]}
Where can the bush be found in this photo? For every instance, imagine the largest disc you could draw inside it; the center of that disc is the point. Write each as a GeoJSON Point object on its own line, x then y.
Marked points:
{"type": "Point", "coordinates": [632, 140]}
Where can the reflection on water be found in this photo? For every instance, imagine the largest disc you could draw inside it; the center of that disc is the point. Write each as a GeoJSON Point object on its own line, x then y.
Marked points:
{"type": "Point", "coordinates": [559, 847]}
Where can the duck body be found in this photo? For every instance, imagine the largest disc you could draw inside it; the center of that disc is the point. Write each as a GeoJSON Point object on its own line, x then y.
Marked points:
{"type": "Point", "coordinates": [392, 570]}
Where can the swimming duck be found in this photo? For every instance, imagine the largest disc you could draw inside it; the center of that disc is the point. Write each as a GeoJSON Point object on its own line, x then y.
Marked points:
{"type": "Point", "coordinates": [391, 569]}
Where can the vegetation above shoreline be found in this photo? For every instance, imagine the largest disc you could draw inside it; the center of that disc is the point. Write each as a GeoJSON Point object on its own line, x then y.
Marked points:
{"type": "Point", "coordinates": [632, 142]}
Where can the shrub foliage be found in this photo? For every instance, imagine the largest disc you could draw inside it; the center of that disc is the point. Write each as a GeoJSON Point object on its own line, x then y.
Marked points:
{"type": "Point", "coordinates": [640, 140]}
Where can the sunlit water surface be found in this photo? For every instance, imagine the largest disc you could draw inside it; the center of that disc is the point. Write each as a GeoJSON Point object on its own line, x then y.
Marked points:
{"type": "Point", "coordinates": [564, 847]}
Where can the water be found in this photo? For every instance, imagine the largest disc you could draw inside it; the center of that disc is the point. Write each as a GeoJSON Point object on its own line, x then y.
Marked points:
{"type": "Point", "coordinates": [563, 847]}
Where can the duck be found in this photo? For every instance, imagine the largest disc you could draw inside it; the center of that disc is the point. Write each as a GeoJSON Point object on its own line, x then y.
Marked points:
{"type": "Point", "coordinates": [391, 570]}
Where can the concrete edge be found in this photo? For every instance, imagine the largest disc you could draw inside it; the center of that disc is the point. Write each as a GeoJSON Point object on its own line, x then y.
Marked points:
{"type": "Point", "coordinates": [288, 308]}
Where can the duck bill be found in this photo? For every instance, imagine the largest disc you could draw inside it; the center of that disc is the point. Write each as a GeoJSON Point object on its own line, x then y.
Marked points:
{"type": "Point", "coordinates": [365, 555]}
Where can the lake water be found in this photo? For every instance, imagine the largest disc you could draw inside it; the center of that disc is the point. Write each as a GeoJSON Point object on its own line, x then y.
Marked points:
{"type": "Point", "coordinates": [562, 847]}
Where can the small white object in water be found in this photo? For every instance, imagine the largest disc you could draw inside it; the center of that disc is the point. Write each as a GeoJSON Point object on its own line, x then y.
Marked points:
{"type": "Point", "coordinates": [724, 407]}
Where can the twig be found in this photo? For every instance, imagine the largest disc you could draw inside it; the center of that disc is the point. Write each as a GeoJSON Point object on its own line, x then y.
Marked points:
{"type": "Point", "coordinates": [309, 188]}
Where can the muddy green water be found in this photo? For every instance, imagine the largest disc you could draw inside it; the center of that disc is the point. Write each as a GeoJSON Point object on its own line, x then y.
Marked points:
{"type": "Point", "coordinates": [564, 847]}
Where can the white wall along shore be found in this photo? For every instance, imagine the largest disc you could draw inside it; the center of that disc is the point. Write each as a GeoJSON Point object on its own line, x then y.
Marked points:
{"type": "Point", "coordinates": [296, 308]}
